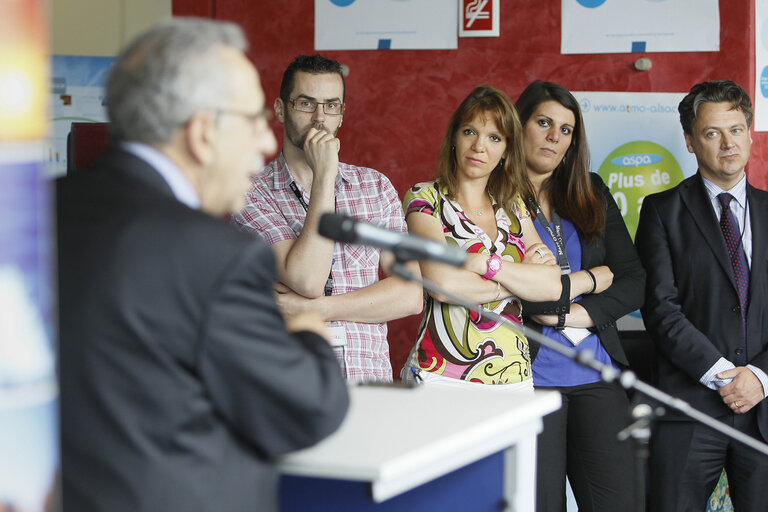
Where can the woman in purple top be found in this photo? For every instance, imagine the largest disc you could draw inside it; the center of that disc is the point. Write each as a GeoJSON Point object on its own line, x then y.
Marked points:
{"type": "Point", "coordinates": [577, 218]}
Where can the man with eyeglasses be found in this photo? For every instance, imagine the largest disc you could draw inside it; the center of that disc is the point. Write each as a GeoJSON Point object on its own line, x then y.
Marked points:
{"type": "Point", "coordinates": [180, 380]}
{"type": "Point", "coordinates": [286, 201]}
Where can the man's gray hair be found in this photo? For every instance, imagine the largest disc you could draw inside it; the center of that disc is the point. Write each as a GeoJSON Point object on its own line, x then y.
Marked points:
{"type": "Point", "coordinates": [714, 91]}
{"type": "Point", "coordinates": [167, 74]}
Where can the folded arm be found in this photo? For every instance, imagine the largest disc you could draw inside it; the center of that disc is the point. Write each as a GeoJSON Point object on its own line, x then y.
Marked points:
{"type": "Point", "coordinates": [518, 279]}
{"type": "Point", "coordinates": [626, 291]}
{"type": "Point", "coordinates": [387, 299]}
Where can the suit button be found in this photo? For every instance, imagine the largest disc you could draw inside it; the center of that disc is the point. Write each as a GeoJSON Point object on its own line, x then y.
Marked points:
{"type": "Point", "coordinates": [736, 309]}
{"type": "Point", "coordinates": [738, 351]}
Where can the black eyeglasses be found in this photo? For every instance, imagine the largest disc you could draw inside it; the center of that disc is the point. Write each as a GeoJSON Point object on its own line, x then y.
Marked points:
{"type": "Point", "coordinates": [331, 108]}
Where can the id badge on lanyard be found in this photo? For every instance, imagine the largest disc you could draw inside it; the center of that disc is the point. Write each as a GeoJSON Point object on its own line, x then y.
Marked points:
{"type": "Point", "coordinates": [573, 334]}
{"type": "Point", "coordinates": [338, 334]}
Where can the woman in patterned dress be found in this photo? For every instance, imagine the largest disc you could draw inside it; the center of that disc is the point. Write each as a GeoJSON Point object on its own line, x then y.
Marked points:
{"type": "Point", "coordinates": [475, 203]}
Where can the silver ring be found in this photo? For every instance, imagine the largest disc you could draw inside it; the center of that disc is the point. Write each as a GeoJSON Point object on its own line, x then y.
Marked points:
{"type": "Point", "coordinates": [540, 251]}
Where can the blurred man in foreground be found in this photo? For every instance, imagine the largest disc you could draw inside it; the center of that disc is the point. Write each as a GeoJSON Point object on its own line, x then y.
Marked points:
{"type": "Point", "coordinates": [179, 377]}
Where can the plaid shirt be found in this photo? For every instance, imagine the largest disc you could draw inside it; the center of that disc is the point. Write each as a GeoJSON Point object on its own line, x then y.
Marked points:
{"type": "Point", "coordinates": [274, 212]}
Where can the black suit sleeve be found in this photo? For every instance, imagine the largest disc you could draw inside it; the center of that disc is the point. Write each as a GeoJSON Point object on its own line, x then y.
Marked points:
{"type": "Point", "coordinates": [665, 321]}
{"type": "Point", "coordinates": [758, 199]}
{"type": "Point", "coordinates": [281, 391]}
{"type": "Point", "coordinates": [626, 292]}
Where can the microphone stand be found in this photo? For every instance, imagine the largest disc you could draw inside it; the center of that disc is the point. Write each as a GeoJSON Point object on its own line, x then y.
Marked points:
{"type": "Point", "coordinates": [640, 429]}
{"type": "Point", "coordinates": [640, 432]}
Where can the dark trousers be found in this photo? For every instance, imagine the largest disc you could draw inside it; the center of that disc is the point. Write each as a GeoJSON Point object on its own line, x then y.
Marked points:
{"type": "Point", "coordinates": [687, 459]}
{"type": "Point", "coordinates": [579, 440]}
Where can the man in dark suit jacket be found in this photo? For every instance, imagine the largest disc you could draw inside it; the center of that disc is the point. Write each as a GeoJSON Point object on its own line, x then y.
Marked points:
{"type": "Point", "coordinates": [711, 342]}
{"type": "Point", "coordinates": [180, 380]}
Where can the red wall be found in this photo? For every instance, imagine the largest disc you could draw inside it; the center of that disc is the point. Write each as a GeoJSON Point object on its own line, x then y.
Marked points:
{"type": "Point", "coordinates": [399, 101]}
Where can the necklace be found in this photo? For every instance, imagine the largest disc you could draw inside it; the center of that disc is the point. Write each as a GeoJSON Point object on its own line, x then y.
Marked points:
{"type": "Point", "coordinates": [478, 211]}
{"type": "Point", "coordinates": [481, 212]}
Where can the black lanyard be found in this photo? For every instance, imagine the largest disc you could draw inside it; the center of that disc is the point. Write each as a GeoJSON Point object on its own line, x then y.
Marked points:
{"type": "Point", "coordinates": [328, 282]}
{"type": "Point", "coordinates": [557, 237]}
{"type": "Point", "coordinates": [297, 193]}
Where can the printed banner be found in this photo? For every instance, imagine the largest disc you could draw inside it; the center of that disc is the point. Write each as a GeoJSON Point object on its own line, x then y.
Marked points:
{"type": "Point", "coordinates": [624, 26]}
{"type": "Point", "coordinates": [636, 145]}
{"type": "Point", "coordinates": [29, 451]}
{"type": "Point", "coordinates": [77, 96]}
{"type": "Point", "coordinates": [385, 25]}
{"type": "Point", "coordinates": [28, 393]}
{"type": "Point", "coordinates": [761, 66]}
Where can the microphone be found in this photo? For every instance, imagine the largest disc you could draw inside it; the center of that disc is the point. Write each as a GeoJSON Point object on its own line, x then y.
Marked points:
{"type": "Point", "coordinates": [405, 247]}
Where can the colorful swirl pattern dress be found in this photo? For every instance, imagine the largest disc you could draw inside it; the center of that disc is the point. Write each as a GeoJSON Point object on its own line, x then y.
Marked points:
{"type": "Point", "coordinates": [452, 340]}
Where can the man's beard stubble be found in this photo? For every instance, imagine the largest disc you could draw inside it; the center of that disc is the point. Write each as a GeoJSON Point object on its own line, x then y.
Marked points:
{"type": "Point", "coordinates": [297, 138]}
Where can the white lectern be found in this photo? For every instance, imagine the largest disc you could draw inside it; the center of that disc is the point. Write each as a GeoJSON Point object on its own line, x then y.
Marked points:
{"type": "Point", "coordinates": [428, 446]}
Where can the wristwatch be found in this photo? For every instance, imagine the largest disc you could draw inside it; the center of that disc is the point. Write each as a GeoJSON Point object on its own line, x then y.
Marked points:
{"type": "Point", "coordinates": [494, 265]}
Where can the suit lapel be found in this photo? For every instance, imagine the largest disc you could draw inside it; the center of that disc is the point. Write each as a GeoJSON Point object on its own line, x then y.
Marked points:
{"type": "Point", "coordinates": [694, 196]}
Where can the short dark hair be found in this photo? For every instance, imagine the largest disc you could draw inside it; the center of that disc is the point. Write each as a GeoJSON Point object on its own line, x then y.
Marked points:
{"type": "Point", "coordinates": [315, 64]}
{"type": "Point", "coordinates": [715, 91]}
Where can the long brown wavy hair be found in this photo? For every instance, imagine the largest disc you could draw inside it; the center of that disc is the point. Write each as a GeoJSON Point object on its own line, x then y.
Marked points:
{"type": "Point", "coordinates": [568, 188]}
{"type": "Point", "coordinates": [508, 179]}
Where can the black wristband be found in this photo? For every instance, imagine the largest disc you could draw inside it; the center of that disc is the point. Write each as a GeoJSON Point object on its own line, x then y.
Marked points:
{"type": "Point", "coordinates": [594, 281]}
{"type": "Point", "coordinates": [560, 321]}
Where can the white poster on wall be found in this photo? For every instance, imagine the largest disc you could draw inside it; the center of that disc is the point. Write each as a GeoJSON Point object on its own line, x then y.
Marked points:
{"type": "Point", "coordinates": [385, 25]}
{"type": "Point", "coordinates": [636, 145]}
{"type": "Point", "coordinates": [77, 96]}
{"type": "Point", "coordinates": [761, 66]}
{"type": "Point", "coordinates": [624, 26]}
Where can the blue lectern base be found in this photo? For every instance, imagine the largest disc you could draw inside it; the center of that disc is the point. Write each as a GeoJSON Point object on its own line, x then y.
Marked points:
{"type": "Point", "coordinates": [478, 487]}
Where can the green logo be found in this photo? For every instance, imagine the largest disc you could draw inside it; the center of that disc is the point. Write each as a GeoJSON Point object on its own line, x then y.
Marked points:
{"type": "Point", "coordinates": [635, 170]}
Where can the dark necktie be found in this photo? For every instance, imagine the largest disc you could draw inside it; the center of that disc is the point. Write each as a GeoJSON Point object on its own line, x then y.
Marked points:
{"type": "Point", "coordinates": [732, 235]}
